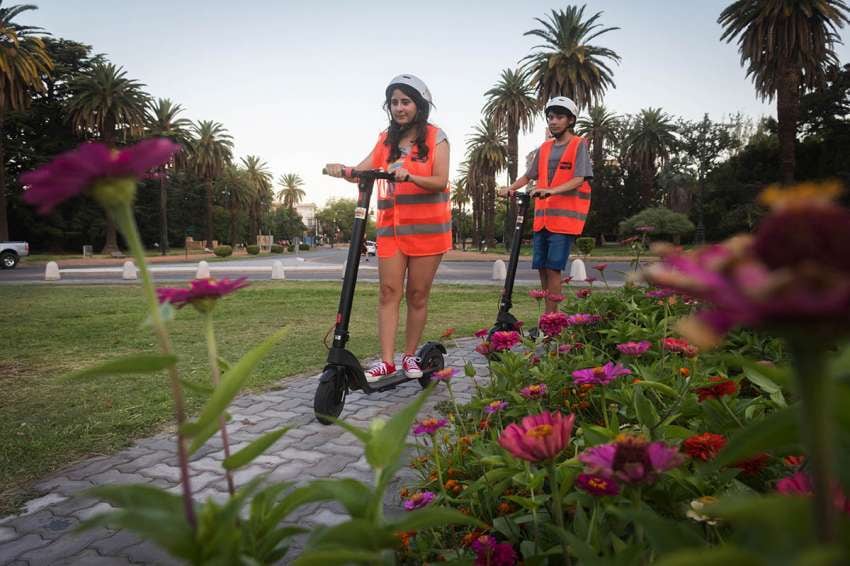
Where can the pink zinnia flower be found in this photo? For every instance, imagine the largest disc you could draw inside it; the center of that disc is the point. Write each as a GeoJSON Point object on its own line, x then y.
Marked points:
{"type": "Point", "coordinates": [567, 279]}
{"type": "Point", "coordinates": [659, 293]}
{"type": "Point", "coordinates": [565, 348]}
{"type": "Point", "coordinates": [800, 483]}
{"type": "Point", "coordinates": [429, 426]}
{"type": "Point", "coordinates": [582, 319]}
{"type": "Point", "coordinates": [488, 552]}
{"type": "Point", "coordinates": [552, 323]}
{"type": "Point", "coordinates": [419, 500]}
{"type": "Point", "coordinates": [444, 374]}
{"type": "Point", "coordinates": [583, 293]}
{"type": "Point", "coordinates": [539, 437]}
{"type": "Point", "coordinates": [555, 298]}
{"type": "Point", "coordinates": [484, 348]}
{"type": "Point", "coordinates": [538, 294]}
{"type": "Point", "coordinates": [600, 375]}
{"type": "Point", "coordinates": [202, 293]}
{"type": "Point", "coordinates": [589, 280]}
{"type": "Point", "coordinates": [482, 333]}
{"type": "Point", "coordinates": [600, 267]}
{"type": "Point", "coordinates": [534, 391]}
{"type": "Point", "coordinates": [679, 346]}
{"type": "Point", "coordinates": [597, 485]}
{"type": "Point", "coordinates": [634, 348]}
{"type": "Point", "coordinates": [505, 340]}
{"type": "Point", "coordinates": [631, 459]}
{"type": "Point", "coordinates": [495, 407]}
{"type": "Point", "coordinates": [78, 170]}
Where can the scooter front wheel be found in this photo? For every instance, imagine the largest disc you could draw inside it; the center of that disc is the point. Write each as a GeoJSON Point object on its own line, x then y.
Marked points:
{"type": "Point", "coordinates": [432, 361]}
{"type": "Point", "coordinates": [330, 395]}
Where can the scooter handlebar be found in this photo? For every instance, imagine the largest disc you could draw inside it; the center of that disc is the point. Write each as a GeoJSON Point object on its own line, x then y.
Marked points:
{"type": "Point", "coordinates": [353, 173]}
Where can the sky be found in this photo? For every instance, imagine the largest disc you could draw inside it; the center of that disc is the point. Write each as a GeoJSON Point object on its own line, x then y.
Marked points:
{"type": "Point", "coordinates": [300, 83]}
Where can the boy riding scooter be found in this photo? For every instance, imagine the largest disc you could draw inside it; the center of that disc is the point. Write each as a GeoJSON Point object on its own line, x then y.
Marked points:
{"type": "Point", "coordinates": [561, 169]}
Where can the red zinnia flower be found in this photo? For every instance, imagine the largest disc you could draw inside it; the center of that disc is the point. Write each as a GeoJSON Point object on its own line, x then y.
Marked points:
{"type": "Point", "coordinates": [752, 466]}
{"type": "Point", "coordinates": [720, 387]}
{"type": "Point", "coordinates": [704, 446]}
{"type": "Point", "coordinates": [600, 267]}
{"type": "Point", "coordinates": [679, 346]}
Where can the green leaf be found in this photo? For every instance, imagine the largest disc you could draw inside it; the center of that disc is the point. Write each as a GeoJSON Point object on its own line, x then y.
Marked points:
{"type": "Point", "coordinates": [660, 387]}
{"type": "Point", "coordinates": [432, 518]}
{"type": "Point", "coordinates": [387, 443]}
{"type": "Point", "coordinates": [360, 534]}
{"type": "Point", "coordinates": [257, 447]}
{"type": "Point", "coordinates": [138, 363]}
{"type": "Point", "coordinates": [730, 555]}
{"type": "Point", "coordinates": [779, 430]}
{"type": "Point", "coordinates": [646, 413]}
{"type": "Point", "coordinates": [665, 535]}
{"type": "Point", "coordinates": [231, 382]}
{"type": "Point", "coordinates": [469, 369]}
{"type": "Point", "coordinates": [224, 365]}
{"type": "Point", "coordinates": [199, 388]}
{"type": "Point", "coordinates": [331, 556]}
{"type": "Point", "coordinates": [201, 438]}
{"type": "Point", "coordinates": [595, 435]}
{"type": "Point", "coordinates": [355, 496]}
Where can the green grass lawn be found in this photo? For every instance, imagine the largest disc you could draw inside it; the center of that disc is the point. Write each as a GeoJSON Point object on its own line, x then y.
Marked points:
{"type": "Point", "coordinates": [48, 421]}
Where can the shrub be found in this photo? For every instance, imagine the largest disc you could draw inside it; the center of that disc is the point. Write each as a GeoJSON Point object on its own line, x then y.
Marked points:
{"type": "Point", "coordinates": [277, 249]}
{"type": "Point", "coordinates": [290, 248]}
{"type": "Point", "coordinates": [223, 251]}
{"type": "Point", "coordinates": [585, 245]}
{"type": "Point", "coordinates": [304, 247]}
{"type": "Point", "coordinates": [253, 250]}
{"type": "Point", "coordinates": [664, 222]}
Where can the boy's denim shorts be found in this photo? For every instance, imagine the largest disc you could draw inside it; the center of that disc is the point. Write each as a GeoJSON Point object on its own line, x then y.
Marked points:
{"type": "Point", "coordinates": [551, 250]}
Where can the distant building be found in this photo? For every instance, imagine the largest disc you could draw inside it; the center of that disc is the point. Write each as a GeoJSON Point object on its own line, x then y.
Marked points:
{"type": "Point", "coordinates": [307, 211]}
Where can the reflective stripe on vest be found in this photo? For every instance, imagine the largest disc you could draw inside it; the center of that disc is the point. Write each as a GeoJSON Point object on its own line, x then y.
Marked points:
{"type": "Point", "coordinates": [562, 213]}
{"type": "Point", "coordinates": [419, 220]}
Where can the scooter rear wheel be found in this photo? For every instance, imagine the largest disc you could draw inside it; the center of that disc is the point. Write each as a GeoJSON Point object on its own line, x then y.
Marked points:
{"type": "Point", "coordinates": [330, 395]}
{"type": "Point", "coordinates": [431, 362]}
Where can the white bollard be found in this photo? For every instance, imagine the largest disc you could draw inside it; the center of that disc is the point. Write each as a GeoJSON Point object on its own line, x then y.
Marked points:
{"type": "Point", "coordinates": [499, 270]}
{"type": "Point", "coordinates": [203, 270]}
{"type": "Point", "coordinates": [277, 270]}
{"type": "Point", "coordinates": [299, 259]}
{"type": "Point", "coordinates": [577, 270]}
{"type": "Point", "coordinates": [51, 272]}
{"type": "Point", "coordinates": [344, 267]}
{"type": "Point", "coordinates": [130, 271]}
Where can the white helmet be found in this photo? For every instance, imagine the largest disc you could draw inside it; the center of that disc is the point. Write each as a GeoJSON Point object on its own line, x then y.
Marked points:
{"type": "Point", "coordinates": [414, 82]}
{"type": "Point", "coordinates": [562, 102]}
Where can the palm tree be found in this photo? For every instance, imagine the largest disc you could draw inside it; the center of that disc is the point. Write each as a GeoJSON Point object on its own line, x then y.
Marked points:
{"type": "Point", "coordinates": [460, 198]}
{"type": "Point", "coordinates": [785, 47]}
{"type": "Point", "coordinates": [163, 121]}
{"type": "Point", "coordinates": [487, 154]}
{"type": "Point", "coordinates": [291, 192]}
{"type": "Point", "coordinates": [24, 62]}
{"type": "Point", "coordinates": [103, 101]}
{"type": "Point", "coordinates": [260, 180]}
{"type": "Point", "coordinates": [566, 64]}
{"type": "Point", "coordinates": [648, 146]}
{"type": "Point", "coordinates": [211, 150]}
{"type": "Point", "coordinates": [599, 126]}
{"type": "Point", "coordinates": [238, 193]}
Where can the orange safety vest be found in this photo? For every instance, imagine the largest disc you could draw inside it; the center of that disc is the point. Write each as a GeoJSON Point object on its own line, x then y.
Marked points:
{"type": "Point", "coordinates": [562, 213]}
{"type": "Point", "coordinates": [419, 220]}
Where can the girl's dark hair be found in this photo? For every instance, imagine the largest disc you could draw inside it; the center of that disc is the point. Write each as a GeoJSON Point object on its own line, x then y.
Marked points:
{"type": "Point", "coordinates": [420, 122]}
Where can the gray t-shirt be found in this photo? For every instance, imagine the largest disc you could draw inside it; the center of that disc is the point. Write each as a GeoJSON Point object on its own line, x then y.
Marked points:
{"type": "Point", "coordinates": [581, 168]}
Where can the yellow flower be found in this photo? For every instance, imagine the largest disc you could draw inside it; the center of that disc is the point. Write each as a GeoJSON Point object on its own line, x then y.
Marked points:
{"type": "Point", "coordinates": [800, 195]}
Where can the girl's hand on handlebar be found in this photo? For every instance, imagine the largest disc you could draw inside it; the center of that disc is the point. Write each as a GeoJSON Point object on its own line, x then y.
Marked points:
{"type": "Point", "coordinates": [541, 193]}
{"type": "Point", "coordinates": [402, 174]}
{"type": "Point", "coordinates": [335, 169]}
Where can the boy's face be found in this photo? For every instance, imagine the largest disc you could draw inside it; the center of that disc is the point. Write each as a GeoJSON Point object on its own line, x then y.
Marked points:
{"type": "Point", "coordinates": [558, 123]}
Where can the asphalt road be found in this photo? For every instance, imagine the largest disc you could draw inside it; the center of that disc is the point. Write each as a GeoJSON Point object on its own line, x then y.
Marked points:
{"type": "Point", "coordinates": [320, 265]}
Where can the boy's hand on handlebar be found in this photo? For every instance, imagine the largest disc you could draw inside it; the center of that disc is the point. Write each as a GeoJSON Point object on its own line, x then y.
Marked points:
{"type": "Point", "coordinates": [335, 169]}
{"type": "Point", "coordinates": [505, 192]}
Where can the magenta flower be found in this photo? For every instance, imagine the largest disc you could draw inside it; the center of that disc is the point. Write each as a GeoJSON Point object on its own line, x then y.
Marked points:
{"type": "Point", "coordinates": [444, 374]}
{"type": "Point", "coordinates": [582, 319]}
{"type": "Point", "coordinates": [555, 297]}
{"type": "Point", "coordinates": [495, 407]}
{"type": "Point", "coordinates": [488, 552]}
{"type": "Point", "coordinates": [78, 170]}
{"type": "Point", "coordinates": [552, 323]}
{"type": "Point", "coordinates": [567, 279]}
{"type": "Point", "coordinates": [597, 485]}
{"type": "Point", "coordinates": [484, 348]}
{"type": "Point", "coordinates": [539, 437]}
{"type": "Point", "coordinates": [534, 391]}
{"type": "Point", "coordinates": [538, 294]}
{"type": "Point", "coordinates": [600, 267]}
{"type": "Point", "coordinates": [419, 500]}
{"type": "Point", "coordinates": [634, 348]}
{"type": "Point", "coordinates": [659, 293]}
{"type": "Point", "coordinates": [589, 280]}
{"type": "Point", "coordinates": [602, 375]}
{"type": "Point", "coordinates": [583, 293]}
{"type": "Point", "coordinates": [630, 459]}
{"type": "Point", "coordinates": [565, 348]}
{"type": "Point", "coordinates": [504, 340]}
{"type": "Point", "coordinates": [679, 346]}
{"type": "Point", "coordinates": [800, 484]}
{"type": "Point", "coordinates": [482, 333]}
{"type": "Point", "coordinates": [429, 426]}
{"type": "Point", "coordinates": [202, 293]}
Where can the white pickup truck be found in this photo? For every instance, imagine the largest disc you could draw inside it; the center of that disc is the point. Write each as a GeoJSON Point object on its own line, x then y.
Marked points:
{"type": "Point", "coordinates": [12, 252]}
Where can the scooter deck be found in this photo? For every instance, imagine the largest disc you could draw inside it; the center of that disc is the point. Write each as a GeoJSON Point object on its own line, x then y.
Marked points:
{"type": "Point", "coordinates": [389, 382]}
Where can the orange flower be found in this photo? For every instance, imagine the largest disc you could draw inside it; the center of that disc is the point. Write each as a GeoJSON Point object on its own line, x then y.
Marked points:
{"type": "Point", "coordinates": [684, 372]}
{"type": "Point", "coordinates": [505, 508]}
{"type": "Point", "coordinates": [454, 486]}
{"type": "Point", "coordinates": [454, 473]}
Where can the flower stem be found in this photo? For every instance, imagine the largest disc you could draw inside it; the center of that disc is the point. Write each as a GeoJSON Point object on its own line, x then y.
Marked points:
{"type": "Point", "coordinates": [212, 350]}
{"type": "Point", "coordinates": [123, 216]}
{"type": "Point", "coordinates": [457, 409]}
{"type": "Point", "coordinates": [437, 466]}
{"type": "Point", "coordinates": [816, 425]}
{"type": "Point", "coordinates": [557, 509]}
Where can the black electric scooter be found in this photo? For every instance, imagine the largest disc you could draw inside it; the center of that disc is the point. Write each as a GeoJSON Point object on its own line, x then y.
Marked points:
{"type": "Point", "coordinates": [504, 319]}
{"type": "Point", "coordinates": [343, 373]}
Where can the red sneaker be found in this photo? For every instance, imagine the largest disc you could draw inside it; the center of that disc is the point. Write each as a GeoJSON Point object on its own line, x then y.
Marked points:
{"type": "Point", "coordinates": [379, 370]}
{"type": "Point", "coordinates": [410, 364]}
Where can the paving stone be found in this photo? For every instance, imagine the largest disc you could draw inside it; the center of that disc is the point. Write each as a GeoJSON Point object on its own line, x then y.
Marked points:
{"type": "Point", "coordinates": [32, 523]}
{"type": "Point", "coordinates": [148, 553]}
{"type": "Point", "coordinates": [7, 534]}
{"type": "Point", "coordinates": [90, 467]}
{"type": "Point", "coordinates": [94, 510]}
{"type": "Point", "coordinates": [113, 477]}
{"type": "Point", "coordinates": [162, 471]}
{"type": "Point", "coordinates": [35, 505]}
{"type": "Point", "coordinates": [15, 548]}
{"type": "Point", "coordinates": [92, 558]}
{"type": "Point", "coordinates": [149, 460]}
{"type": "Point", "coordinates": [63, 485]}
{"type": "Point", "coordinates": [68, 545]}
{"type": "Point", "coordinates": [113, 545]}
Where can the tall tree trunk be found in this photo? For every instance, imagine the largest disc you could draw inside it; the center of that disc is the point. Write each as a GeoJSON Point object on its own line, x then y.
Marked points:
{"type": "Point", "coordinates": [4, 220]}
{"type": "Point", "coordinates": [209, 239]}
{"type": "Point", "coordinates": [490, 210]}
{"type": "Point", "coordinates": [787, 113]}
{"type": "Point", "coordinates": [513, 165]}
{"type": "Point", "coordinates": [233, 211]}
{"type": "Point", "coordinates": [110, 246]}
{"type": "Point", "coordinates": [163, 213]}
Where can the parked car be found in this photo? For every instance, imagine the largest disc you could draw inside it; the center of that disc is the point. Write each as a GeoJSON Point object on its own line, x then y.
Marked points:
{"type": "Point", "coordinates": [371, 247]}
{"type": "Point", "coordinates": [12, 252]}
